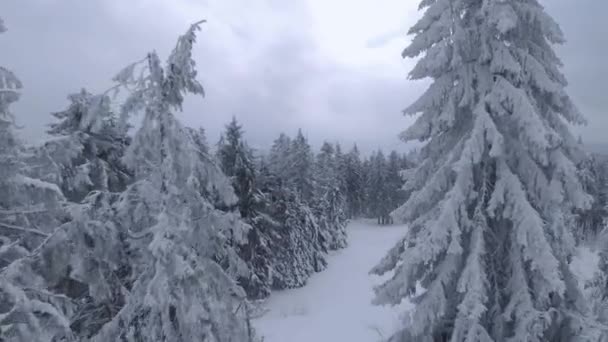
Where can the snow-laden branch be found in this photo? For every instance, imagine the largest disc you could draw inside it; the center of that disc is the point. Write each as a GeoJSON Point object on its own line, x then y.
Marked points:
{"type": "Point", "coordinates": [24, 211]}
{"type": "Point", "coordinates": [22, 229]}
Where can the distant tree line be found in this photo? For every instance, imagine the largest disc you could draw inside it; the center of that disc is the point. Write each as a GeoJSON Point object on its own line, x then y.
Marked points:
{"type": "Point", "coordinates": [590, 230]}
{"type": "Point", "coordinates": [297, 202]}
{"type": "Point", "coordinates": [593, 172]}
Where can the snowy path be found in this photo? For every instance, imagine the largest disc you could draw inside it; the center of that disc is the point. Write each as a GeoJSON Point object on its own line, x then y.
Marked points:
{"type": "Point", "coordinates": [336, 304]}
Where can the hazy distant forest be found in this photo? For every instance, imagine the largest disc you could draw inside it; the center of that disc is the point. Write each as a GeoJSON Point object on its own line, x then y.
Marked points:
{"type": "Point", "coordinates": [126, 225]}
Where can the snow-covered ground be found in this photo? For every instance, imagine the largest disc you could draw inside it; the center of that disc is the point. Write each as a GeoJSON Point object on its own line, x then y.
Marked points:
{"type": "Point", "coordinates": [336, 304]}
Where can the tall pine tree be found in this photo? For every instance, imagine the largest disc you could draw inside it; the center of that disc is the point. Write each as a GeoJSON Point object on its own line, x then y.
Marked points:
{"type": "Point", "coordinates": [237, 162]}
{"type": "Point", "coordinates": [300, 166]}
{"type": "Point", "coordinates": [489, 219]}
{"type": "Point", "coordinates": [184, 288]}
{"type": "Point", "coordinates": [353, 177]}
{"type": "Point", "coordinates": [593, 172]}
{"type": "Point", "coordinates": [279, 162]}
{"type": "Point", "coordinates": [379, 188]}
{"type": "Point", "coordinates": [329, 202]}
{"type": "Point", "coordinates": [298, 246]}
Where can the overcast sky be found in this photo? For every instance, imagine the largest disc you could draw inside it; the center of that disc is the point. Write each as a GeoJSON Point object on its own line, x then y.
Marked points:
{"type": "Point", "coordinates": [331, 67]}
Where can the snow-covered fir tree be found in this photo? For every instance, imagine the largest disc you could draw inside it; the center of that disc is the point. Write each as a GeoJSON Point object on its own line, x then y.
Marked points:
{"type": "Point", "coordinates": [378, 197]}
{"type": "Point", "coordinates": [366, 171]}
{"type": "Point", "coordinates": [184, 287]}
{"type": "Point", "coordinates": [381, 182]}
{"type": "Point", "coordinates": [300, 165]}
{"type": "Point", "coordinates": [329, 201]}
{"type": "Point", "coordinates": [593, 172]}
{"type": "Point", "coordinates": [490, 215]}
{"type": "Point", "coordinates": [341, 164]}
{"type": "Point", "coordinates": [374, 185]}
{"type": "Point", "coordinates": [227, 146]}
{"type": "Point", "coordinates": [353, 177]}
{"type": "Point", "coordinates": [86, 259]}
{"type": "Point", "coordinates": [278, 158]}
{"type": "Point", "coordinates": [238, 163]}
{"type": "Point", "coordinates": [236, 160]}
{"type": "Point", "coordinates": [87, 147]}
{"type": "Point", "coordinates": [298, 245]}
{"type": "Point", "coordinates": [298, 249]}
{"type": "Point", "coordinates": [269, 235]}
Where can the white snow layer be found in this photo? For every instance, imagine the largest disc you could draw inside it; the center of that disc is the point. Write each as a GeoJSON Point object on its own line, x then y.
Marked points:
{"type": "Point", "coordinates": [335, 305]}
{"type": "Point", "coordinates": [585, 265]}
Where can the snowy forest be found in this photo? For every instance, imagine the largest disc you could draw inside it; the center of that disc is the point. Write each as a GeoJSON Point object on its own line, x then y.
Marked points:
{"type": "Point", "coordinates": [125, 224]}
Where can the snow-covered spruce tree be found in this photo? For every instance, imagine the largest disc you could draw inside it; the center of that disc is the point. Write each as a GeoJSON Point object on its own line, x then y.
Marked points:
{"type": "Point", "coordinates": [268, 236]}
{"type": "Point", "coordinates": [30, 210]}
{"type": "Point", "coordinates": [381, 182]}
{"type": "Point", "coordinates": [341, 164]}
{"type": "Point", "coordinates": [91, 259]}
{"type": "Point", "coordinates": [87, 147]}
{"type": "Point", "coordinates": [297, 245]}
{"type": "Point", "coordinates": [329, 203]}
{"type": "Point", "coordinates": [237, 162]}
{"type": "Point", "coordinates": [298, 248]}
{"type": "Point", "coordinates": [177, 238]}
{"type": "Point", "coordinates": [278, 159]}
{"type": "Point", "coordinates": [366, 171]}
{"type": "Point", "coordinates": [353, 177]}
{"type": "Point", "coordinates": [378, 188]}
{"type": "Point", "coordinates": [227, 146]}
{"type": "Point", "coordinates": [85, 260]}
{"type": "Point", "coordinates": [490, 225]}
{"type": "Point", "coordinates": [300, 164]}
{"type": "Point", "coordinates": [593, 172]}
{"type": "Point", "coordinates": [366, 175]}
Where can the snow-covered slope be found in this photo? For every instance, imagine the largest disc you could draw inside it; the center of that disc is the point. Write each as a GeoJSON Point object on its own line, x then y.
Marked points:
{"type": "Point", "coordinates": [336, 304]}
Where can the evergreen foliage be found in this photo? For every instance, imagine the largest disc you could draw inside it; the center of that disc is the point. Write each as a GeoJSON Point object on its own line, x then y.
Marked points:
{"type": "Point", "coordinates": [146, 236]}
{"type": "Point", "coordinates": [151, 262]}
{"type": "Point", "coordinates": [593, 172]}
{"type": "Point", "coordinates": [87, 147]}
{"type": "Point", "coordinates": [490, 213]}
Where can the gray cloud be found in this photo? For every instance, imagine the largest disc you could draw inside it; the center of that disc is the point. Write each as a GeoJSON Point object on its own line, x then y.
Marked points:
{"type": "Point", "coordinates": [260, 65]}
{"type": "Point", "coordinates": [584, 55]}
{"type": "Point", "coordinates": [259, 61]}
